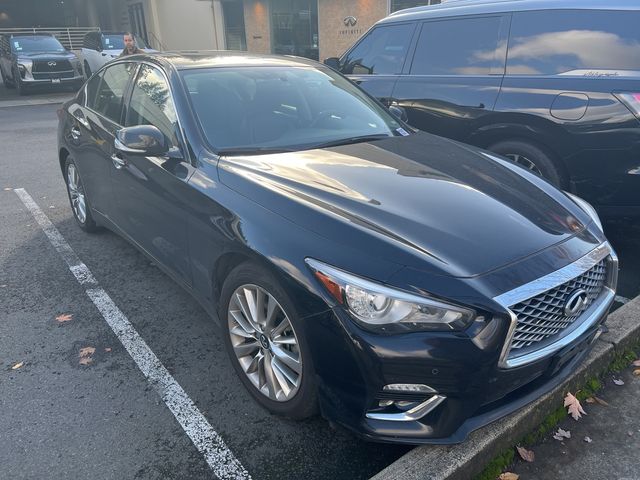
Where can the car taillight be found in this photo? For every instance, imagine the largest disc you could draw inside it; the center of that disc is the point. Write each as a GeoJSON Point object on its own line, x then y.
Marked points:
{"type": "Point", "coordinates": [631, 101]}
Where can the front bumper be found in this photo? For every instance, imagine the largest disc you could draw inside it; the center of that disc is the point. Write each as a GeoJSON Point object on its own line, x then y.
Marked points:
{"type": "Point", "coordinates": [473, 371]}
{"type": "Point", "coordinates": [52, 80]}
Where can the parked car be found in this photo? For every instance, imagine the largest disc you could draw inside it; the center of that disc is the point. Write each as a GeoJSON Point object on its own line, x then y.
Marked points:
{"type": "Point", "coordinates": [553, 85]}
{"type": "Point", "coordinates": [413, 287]}
{"type": "Point", "coordinates": [99, 48]}
{"type": "Point", "coordinates": [37, 60]}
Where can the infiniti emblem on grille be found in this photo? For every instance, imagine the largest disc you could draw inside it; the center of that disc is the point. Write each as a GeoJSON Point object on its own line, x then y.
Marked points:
{"type": "Point", "coordinates": [575, 303]}
{"type": "Point", "coordinates": [52, 64]}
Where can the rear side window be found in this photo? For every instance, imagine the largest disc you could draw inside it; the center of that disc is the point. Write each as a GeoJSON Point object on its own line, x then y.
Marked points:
{"type": "Point", "coordinates": [109, 98]}
{"type": "Point", "coordinates": [382, 51]}
{"type": "Point", "coordinates": [573, 42]}
{"type": "Point", "coordinates": [92, 90]}
{"type": "Point", "coordinates": [463, 46]}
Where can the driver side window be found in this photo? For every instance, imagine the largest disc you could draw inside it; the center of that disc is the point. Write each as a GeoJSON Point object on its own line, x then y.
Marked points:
{"type": "Point", "coordinates": [152, 104]}
{"type": "Point", "coordinates": [382, 51]}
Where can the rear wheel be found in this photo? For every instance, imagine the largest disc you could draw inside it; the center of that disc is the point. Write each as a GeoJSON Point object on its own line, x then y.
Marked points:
{"type": "Point", "coordinates": [78, 198]}
{"type": "Point", "coordinates": [265, 344]}
{"type": "Point", "coordinates": [531, 157]}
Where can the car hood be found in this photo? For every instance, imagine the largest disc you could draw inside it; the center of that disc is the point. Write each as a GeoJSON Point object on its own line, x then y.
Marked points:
{"type": "Point", "coordinates": [46, 56]}
{"type": "Point", "coordinates": [419, 200]}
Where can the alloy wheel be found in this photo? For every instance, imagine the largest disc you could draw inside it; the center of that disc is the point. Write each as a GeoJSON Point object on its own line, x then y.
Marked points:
{"type": "Point", "coordinates": [76, 194]}
{"type": "Point", "coordinates": [524, 162]}
{"type": "Point", "coordinates": [264, 342]}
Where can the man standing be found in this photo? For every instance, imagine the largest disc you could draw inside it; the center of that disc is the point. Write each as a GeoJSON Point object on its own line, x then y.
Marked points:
{"type": "Point", "coordinates": [130, 47]}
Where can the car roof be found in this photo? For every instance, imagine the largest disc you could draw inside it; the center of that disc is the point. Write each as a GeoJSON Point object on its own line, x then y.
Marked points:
{"type": "Point", "coordinates": [468, 7]}
{"type": "Point", "coordinates": [182, 60]}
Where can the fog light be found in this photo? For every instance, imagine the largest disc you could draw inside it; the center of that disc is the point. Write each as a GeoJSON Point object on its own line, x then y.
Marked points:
{"type": "Point", "coordinates": [385, 403]}
{"type": "Point", "coordinates": [408, 388]}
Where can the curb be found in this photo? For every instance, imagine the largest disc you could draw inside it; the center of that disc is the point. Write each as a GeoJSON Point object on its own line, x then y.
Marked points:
{"type": "Point", "coordinates": [463, 461]}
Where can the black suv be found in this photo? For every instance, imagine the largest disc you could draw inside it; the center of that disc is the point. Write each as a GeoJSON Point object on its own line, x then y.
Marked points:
{"type": "Point", "coordinates": [553, 85]}
{"type": "Point", "coordinates": [30, 60]}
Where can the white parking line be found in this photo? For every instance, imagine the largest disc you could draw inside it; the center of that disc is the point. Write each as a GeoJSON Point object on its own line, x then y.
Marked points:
{"type": "Point", "coordinates": [208, 442]}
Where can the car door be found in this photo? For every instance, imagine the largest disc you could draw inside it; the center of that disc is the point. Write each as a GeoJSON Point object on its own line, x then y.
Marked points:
{"type": "Point", "coordinates": [150, 192]}
{"type": "Point", "coordinates": [93, 131]}
{"type": "Point", "coordinates": [455, 74]}
{"type": "Point", "coordinates": [378, 58]}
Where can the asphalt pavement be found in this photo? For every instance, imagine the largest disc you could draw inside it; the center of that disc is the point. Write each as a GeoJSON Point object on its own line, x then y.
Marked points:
{"type": "Point", "coordinates": [62, 419]}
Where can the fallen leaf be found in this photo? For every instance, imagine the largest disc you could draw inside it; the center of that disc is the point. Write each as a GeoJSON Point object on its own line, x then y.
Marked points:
{"type": "Point", "coordinates": [636, 372]}
{"type": "Point", "coordinates": [636, 363]}
{"type": "Point", "coordinates": [8, 189]}
{"type": "Point", "coordinates": [52, 206]}
{"type": "Point", "coordinates": [597, 400]}
{"type": "Point", "coordinates": [17, 365]}
{"type": "Point", "coordinates": [574, 407]}
{"type": "Point", "coordinates": [630, 433]}
{"type": "Point", "coordinates": [562, 434]}
{"type": "Point", "coordinates": [588, 440]}
{"type": "Point", "coordinates": [508, 476]}
{"type": "Point", "coordinates": [526, 455]}
{"type": "Point", "coordinates": [65, 317]}
{"type": "Point", "coordinates": [108, 349]}
{"type": "Point", "coordinates": [4, 285]}
{"type": "Point", "coordinates": [87, 351]}
{"type": "Point", "coordinates": [618, 381]}
{"type": "Point", "coordinates": [85, 360]}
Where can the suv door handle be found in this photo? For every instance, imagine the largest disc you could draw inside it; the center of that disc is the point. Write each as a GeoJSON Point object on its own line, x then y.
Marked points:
{"type": "Point", "coordinates": [75, 133]}
{"type": "Point", "coordinates": [118, 162]}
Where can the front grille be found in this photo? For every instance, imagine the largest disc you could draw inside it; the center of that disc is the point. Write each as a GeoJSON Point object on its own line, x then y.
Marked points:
{"type": "Point", "coordinates": [43, 66]}
{"type": "Point", "coordinates": [542, 316]}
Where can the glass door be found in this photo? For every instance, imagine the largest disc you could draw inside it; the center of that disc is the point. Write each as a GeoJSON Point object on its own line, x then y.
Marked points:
{"type": "Point", "coordinates": [294, 28]}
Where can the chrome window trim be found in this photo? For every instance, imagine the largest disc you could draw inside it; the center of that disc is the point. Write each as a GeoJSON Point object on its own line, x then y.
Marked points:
{"type": "Point", "coordinates": [588, 318]}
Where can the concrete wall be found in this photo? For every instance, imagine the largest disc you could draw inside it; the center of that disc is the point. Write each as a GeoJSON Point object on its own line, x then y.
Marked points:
{"type": "Point", "coordinates": [257, 25]}
{"type": "Point", "coordinates": [334, 36]}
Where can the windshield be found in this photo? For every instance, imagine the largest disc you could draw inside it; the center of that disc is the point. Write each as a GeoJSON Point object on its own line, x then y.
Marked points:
{"type": "Point", "coordinates": [36, 44]}
{"type": "Point", "coordinates": [113, 42]}
{"type": "Point", "coordinates": [283, 108]}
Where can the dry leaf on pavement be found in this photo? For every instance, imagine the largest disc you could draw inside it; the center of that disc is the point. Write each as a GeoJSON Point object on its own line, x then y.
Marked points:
{"type": "Point", "coordinates": [85, 355]}
{"type": "Point", "coordinates": [526, 455]}
{"type": "Point", "coordinates": [618, 381]}
{"type": "Point", "coordinates": [65, 317]}
{"type": "Point", "coordinates": [636, 363]}
{"type": "Point", "coordinates": [562, 434]}
{"type": "Point", "coordinates": [107, 349]}
{"type": "Point", "coordinates": [574, 407]}
{"type": "Point", "coordinates": [588, 439]}
{"type": "Point", "coordinates": [597, 400]}
{"type": "Point", "coordinates": [17, 365]}
{"type": "Point", "coordinates": [508, 476]}
{"type": "Point", "coordinates": [636, 372]}
{"type": "Point", "coordinates": [8, 189]}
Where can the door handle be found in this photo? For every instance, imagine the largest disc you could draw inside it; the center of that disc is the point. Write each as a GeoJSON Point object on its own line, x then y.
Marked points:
{"type": "Point", "coordinates": [75, 133]}
{"type": "Point", "coordinates": [118, 162]}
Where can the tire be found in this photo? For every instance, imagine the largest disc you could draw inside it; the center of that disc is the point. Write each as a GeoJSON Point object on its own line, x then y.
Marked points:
{"type": "Point", "coordinates": [531, 157]}
{"type": "Point", "coordinates": [258, 349]}
{"type": "Point", "coordinates": [78, 198]}
{"type": "Point", "coordinates": [20, 87]}
{"type": "Point", "coordinates": [87, 70]}
{"type": "Point", "coordinates": [7, 83]}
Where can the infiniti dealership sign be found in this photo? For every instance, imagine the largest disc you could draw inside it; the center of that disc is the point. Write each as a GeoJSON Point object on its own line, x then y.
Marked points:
{"type": "Point", "coordinates": [350, 21]}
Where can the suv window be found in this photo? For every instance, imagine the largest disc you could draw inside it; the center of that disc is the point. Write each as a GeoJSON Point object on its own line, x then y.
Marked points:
{"type": "Point", "coordinates": [552, 42]}
{"type": "Point", "coordinates": [382, 51]}
{"type": "Point", "coordinates": [462, 46]}
{"type": "Point", "coordinates": [152, 104]}
{"type": "Point", "coordinates": [109, 98]}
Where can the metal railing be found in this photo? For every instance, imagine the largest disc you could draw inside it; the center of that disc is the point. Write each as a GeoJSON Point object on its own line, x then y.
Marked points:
{"type": "Point", "coordinates": [70, 37]}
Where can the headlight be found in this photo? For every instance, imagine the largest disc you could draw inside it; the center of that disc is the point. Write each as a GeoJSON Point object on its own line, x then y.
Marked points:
{"type": "Point", "coordinates": [384, 309]}
{"type": "Point", "coordinates": [24, 66]}
{"type": "Point", "coordinates": [588, 209]}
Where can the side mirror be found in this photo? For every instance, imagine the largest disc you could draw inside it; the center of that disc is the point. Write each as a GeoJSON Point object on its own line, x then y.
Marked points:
{"type": "Point", "coordinates": [333, 62]}
{"type": "Point", "coordinates": [145, 140]}
{"type": "Point", "coordinates": [399, 112]}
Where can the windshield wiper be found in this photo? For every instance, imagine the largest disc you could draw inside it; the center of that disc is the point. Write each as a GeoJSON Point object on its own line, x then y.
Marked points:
{"type": "Point", "coordinates": [253, 150]}
{"type": "Point", "coordinates": [352, 140]}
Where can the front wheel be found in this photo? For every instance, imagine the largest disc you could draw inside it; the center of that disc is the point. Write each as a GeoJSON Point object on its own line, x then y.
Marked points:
{"type": "Point", "coordinates": [531, 157]}
{"type": "Point", "coordinates": [78, 198]}
{"type": "Point", "coordinates": [265, 343]}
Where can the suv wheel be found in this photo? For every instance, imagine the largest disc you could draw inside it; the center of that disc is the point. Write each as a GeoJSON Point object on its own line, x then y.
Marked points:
{"type": "Point", "coordinates": [78, 197]}
{"type": "Point", "coordinates": [17, 82]}
{"type": "Point", "coordinates": [265, 344]}
{"type": "Point", "coordinates": [87, 69]}
{"type": "Point", "coordinates": [531, 157]}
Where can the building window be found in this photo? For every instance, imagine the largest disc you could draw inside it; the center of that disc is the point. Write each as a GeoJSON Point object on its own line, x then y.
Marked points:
{"type": "Point", "coordinates": [402, 4]}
